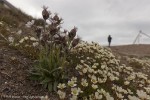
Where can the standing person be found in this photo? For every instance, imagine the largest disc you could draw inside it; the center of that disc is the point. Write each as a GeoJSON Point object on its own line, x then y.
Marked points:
{"type": "Point", "coordinates": [109, 40]}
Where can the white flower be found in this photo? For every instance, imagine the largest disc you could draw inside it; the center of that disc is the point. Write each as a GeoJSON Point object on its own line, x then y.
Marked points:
{"type": "Point", "coordinates": [16, 44]}
{"type": "Point", "coordinates": [119, 95]}
{"type": "Point", "coordinates": [61, 86]}
{"type": "Point", "coordinates": [103, 66]}
{"type": "Point", "coordinates": [143, 95]}
{"type": "Point", "coordinates": [147, 89]}
{"type": "Point", "coordinates": [30, 23]}
{"type": "Point", "coordinates": [112, 78]}
{"type": "Point", "coordinates": [126, 83]}
{"type": "Point", "coordinates": [74, 97]}
{"type": "Point", "coordinates": [129, 68]}
{"type": "Point", "coordinates": [85, 98]}
{"type": "Point", "coordinates": [78, 67]}
{"type": "Point", "coordinates": [76, 91]}
{"type": "Point", "coordinates": [33, 39]}
{"type": "Point", "coordinates": [100, 72]}
{"type": "Point", "coordinates": [94, 66]}
{"type": "Point", "coordinates": [19, 32]}
{"type": "Point", "coordinates": [71, 83]}
{"type": "Point", "coordinates": [80, 49]}
{"type": "Point", "coordinates": [46, 97]}
{"type": "Point", "coordinates": [98, 96]}
{"type": "Point", "coordinates": [102, 91]}
{"type": "Point", "coordinates": [132, 77]}
{"type": "Point", "coordinates": [89, 76]}
{"type": "Point", "coordinates": [35, 44]}
{"type": "Point", "coordinates": [63, 34]}
{"type": "Point", "coordinates": [80, 73]}
{"type": "Point", "coordinates": [82, 61]}
{"type": "Point", "coordinates": [117, 73]}
{"type": "Point", "coordinates": [102, 80]}
{"type": "Point", "coordinates": [61, 94]}
{"type": "Point", "coordinates": [11, 39]}
{"type": "Point", "coordinates": [84, 82]}
{"type": "Point", "coordinates": [129, 91]}
{"type": "Point", "coordinates": [88, 58]}
{"type": "Point", "coordinates": [90, 70]}
{"type": "Point", "coordinates": [94, 86]}
{"type": "Point", "coordinates": [74, 79]}
{"type": "Point", "coordinates": [26, 38]}
{"type": "Point", "coordinates": [56, 36]}
{"type": "Point", "coordinates": [42, 98]}
{"type": "Point", "coordinates": [21, 41]}
{"type": "Point", "coordinates": [108, 97]}
{"type": "Point", "coordinates": [84, 70]}
{"type": "Point", "coordinates": [1, 23]}
{"type": "Point", "coordinates": [133, 97]}
{"type": "Point", "coordinates": [119, 89]}
{"type": "Point", "coordinates": [93, 79]}
{"type": "Point", "coordinates": [141, 75]}
{"type": "Point", "coordinates": [148, 81]}
{"type": "Point", "coordinates": [140, 85]}
{"type": "Point", "coordinates": [26, 45]}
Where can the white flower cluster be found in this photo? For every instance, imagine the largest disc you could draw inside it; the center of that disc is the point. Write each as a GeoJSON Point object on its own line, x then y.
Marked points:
{"type": "Point", "coordinates": [27, 41]}
{"type": "Point", "coordinates": [30, 23]}
{"type": "Point", "coordinates": [101, 77]}
{"type": "Point", "coordinates": [75, 91]}
{"type": "Point", "coordinates": [11, 39]}
{"type": "Point", "coordinates": [31, 41]}
{"type": "Point", "coordinates": [135, 62]}
{"type": "Point", "coordinates": [1, 23]}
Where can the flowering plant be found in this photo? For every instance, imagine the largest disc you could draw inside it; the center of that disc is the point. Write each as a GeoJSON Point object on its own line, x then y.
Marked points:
{"type": "Point", "coordinates": [54, 46]}
{"type": "Point", "coordinates": [97, 75]}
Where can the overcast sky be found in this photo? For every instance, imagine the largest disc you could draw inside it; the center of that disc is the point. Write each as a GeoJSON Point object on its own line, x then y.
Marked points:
{"type": "Point", "coordinates": [96, 19]}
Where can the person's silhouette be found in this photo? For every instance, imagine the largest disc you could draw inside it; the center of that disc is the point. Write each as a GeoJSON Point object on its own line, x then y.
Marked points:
{"type": "Point", "coordinates": [109, 40]}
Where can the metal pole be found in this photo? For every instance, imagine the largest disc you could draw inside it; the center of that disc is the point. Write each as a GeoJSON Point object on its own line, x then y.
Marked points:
{"type": "Point", "coordinates": [137, 38]}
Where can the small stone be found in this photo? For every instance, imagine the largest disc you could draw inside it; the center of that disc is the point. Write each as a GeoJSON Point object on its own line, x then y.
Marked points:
{"type": "Point", "coordinates": [6, 90]}
{"type": "Point", "coordinates": [13, 58]}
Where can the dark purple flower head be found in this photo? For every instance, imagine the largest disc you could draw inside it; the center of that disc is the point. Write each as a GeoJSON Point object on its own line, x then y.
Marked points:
{"type": "Point", "coordinates": [45, 13]}
{"type": "Point", "coordinates": [75, 42]}
{"type": "Point", "coordinates": [72, 33]}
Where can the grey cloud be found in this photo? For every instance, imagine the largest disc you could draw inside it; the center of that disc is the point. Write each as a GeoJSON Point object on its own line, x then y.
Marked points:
{"type": "Point", "coordinates": [96, 19]}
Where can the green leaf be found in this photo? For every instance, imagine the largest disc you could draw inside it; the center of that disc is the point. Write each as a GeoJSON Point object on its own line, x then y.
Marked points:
{"type": "Point", "coordinates": [43, 70]}
{"type": "Point", "coordinates": [50, 87]}
{"type": "Point", "coordinates": [35, 73]}
{"type": "Point", "coordinates": [34, 77]}
{"type": "Point", "coordinates": [55, 86]}
{"type": "Point", "coordinates": [45, 86]}
{"type": "Point", "coordinates": [64, 76]}
{"type": "Point", "coordinates": [54, 70]}
{"type": "Point", "coordinates": [46, 80]}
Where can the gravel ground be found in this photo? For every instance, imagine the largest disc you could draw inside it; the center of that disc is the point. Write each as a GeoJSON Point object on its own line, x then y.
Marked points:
{"type": "Point", "coordinates": [135, 50]}
{"type": "Point", "coordinates": [14, 80]}
{"type": "Point", "coordinates": [16, 85]}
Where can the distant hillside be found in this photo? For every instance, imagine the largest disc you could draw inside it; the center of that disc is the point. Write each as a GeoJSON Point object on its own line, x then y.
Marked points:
{"type": "Point", "coordinates": [7, 4]}
{"type": "Point", "coordinates": [135, 50]}
{"type": "Point", "coordinates": [14, 17]}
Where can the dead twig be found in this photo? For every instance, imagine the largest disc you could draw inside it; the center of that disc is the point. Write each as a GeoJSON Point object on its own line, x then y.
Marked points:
{"type": "Point", "coordinates": [5, 74]}
{"type": "Point", "coordinates": [3, 37]}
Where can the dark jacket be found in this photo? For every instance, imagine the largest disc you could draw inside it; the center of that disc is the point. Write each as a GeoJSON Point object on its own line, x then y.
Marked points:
{"type": "Point", "coordinates": [109, 38]}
